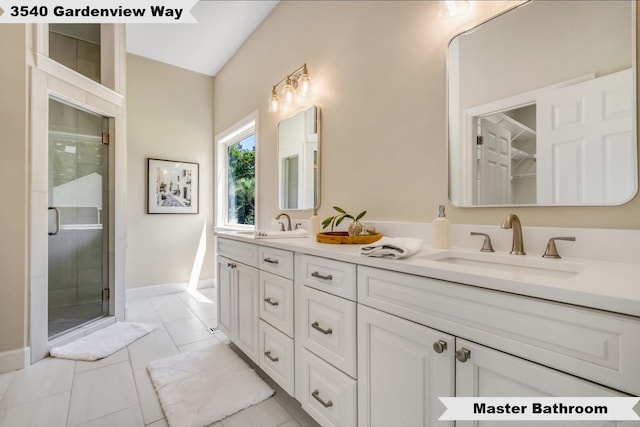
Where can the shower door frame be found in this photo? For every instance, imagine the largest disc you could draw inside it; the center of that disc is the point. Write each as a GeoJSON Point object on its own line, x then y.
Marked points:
{"type": "Point", "coordinates": [51, 79]}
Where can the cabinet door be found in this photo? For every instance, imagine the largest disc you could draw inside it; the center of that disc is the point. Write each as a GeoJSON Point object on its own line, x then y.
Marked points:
{"type": "Point", "coordinates": [247, 336]}
{"type": "Point", "coordinates": [491, 373]}
{"type": "Point", "coordinates": [400, 374]}
{"type": "Point", "coordinates": [226, 299]}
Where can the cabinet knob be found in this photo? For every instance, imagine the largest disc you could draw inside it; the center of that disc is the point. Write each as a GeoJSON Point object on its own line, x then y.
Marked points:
{"type": "Point", "coordinates": [439, 346]}
{"type": "Point", "coordinates": [463, 355]}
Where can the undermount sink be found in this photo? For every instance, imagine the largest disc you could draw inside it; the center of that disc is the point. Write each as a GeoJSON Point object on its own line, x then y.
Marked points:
{"type": "Point", "coordinates": [244, 232]}
{"type": "Point", "coordinates": [509, 263]}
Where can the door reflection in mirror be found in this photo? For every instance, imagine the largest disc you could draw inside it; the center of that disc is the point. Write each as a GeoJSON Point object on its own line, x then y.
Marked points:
{"type": "Point", "coordinates": [542, 106]}
{"type": "Point", "coordinates": [298, 155]}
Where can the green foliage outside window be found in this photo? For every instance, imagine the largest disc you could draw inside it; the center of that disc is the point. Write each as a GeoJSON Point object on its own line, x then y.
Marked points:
{"type": "Point", "coordinates": [242, 179]}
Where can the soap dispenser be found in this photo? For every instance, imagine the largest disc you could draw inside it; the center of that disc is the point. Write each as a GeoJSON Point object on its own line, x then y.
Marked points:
{"type": "Point", "coordinates": [314, 224]}
{"type": "Point", "coordinates": [441, 230]}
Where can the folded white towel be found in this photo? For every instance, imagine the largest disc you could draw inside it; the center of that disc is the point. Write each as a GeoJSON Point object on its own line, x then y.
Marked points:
{"type": "Point", "coordinates": [392, 247]}
{"type": "Point", "coordinates": [274, 234]}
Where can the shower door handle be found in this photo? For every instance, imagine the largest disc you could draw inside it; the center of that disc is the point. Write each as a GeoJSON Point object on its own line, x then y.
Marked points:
{"type": "Point", "coordinates": [57, 212]}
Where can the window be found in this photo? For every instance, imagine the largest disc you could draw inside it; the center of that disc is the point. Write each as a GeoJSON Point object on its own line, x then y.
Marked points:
{"type": "Point", "coordinates": [76, 46]}
{"type": "Point", "coordinates": [236, 172]}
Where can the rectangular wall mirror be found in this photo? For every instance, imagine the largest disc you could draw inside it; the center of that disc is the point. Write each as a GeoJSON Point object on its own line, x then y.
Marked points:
{"type": "Point", "coordinates": [299, 160]}
{"type": "Point", "coordinates": [542, 106]}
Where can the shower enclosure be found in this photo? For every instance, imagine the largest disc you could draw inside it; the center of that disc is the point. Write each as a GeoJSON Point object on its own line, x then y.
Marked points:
{"type": "Point", "coordinates": [78, 193]}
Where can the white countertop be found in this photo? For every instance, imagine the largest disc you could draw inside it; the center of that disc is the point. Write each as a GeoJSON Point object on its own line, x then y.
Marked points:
{"type": "Point", "coordinates": [604, 285]}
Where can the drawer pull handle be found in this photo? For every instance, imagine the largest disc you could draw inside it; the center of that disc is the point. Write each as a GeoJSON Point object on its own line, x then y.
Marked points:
{"type": "Point", "coordinates": [463, 355]}
{"type": "Point", "coordinates": [321, 276]}
{"type": "Point", "coordinates": [439, 346]}
{"type": "Point", "coordinates": [316, 326]}
{"type": "Point", "coordinates": [268, 354]}
{"type": "Point", "coordinates": [270, 260]}
{"type": "Point", "coordinates": [270, 301]}
{"type": "Point", "coordinates": [316, 396]}
{"type": "Point", "coordinates": [231, 265]}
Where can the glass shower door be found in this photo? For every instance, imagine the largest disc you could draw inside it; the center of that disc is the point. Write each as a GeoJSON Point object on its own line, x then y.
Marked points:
{"type": "Point", "coordinates": [78, 249]}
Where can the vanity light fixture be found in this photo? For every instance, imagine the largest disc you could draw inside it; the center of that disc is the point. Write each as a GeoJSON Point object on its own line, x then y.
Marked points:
{"type": "Point", "coordinates": [296, 90]}
{"type": "Point", "coordinates": [453, 8]}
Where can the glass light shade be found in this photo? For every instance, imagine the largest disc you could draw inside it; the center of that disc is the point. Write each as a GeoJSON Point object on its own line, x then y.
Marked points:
{"type": "Point", "coordinates": [288, 93]}
{"type": "Point", "coordinates": [304, 88]}
{"type": "Point", "coordinates": [453, 8]}
{"type": "Point", "coordinates": [274, 102]}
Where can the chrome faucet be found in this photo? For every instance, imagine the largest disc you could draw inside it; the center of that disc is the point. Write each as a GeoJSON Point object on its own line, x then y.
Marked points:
{"type": "Point", "coordinates": [288, 221]}
{"type": "Point", "coordinates": [512, 221]}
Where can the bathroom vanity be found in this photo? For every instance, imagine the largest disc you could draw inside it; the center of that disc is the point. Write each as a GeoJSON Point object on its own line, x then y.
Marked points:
{"type": "Point", "coordinates": [366, 341]}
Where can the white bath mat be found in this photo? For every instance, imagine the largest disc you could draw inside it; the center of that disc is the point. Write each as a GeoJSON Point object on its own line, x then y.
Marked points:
{"type": "Point", "coordinates": [104, 342]}
{"type": "Point", "coordinates": [199, 388]}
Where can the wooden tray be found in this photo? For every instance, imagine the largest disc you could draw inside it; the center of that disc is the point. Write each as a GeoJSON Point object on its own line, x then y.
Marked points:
{"type": "Point", "coordinates": [343, 238]}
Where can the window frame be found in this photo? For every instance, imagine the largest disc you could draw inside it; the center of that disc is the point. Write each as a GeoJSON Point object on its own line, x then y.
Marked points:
{"type": "Point", "coordinates": [232, 135]}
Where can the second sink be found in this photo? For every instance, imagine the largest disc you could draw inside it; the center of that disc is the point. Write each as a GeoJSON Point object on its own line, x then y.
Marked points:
{"type": "Point", "coordinates": [508, 263]}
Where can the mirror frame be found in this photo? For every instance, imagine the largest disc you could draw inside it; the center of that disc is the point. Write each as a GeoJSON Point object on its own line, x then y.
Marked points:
{"type": "Point", "coordinates": [450, 129]}
{"type": "Point", "coordinates": [317, 164]}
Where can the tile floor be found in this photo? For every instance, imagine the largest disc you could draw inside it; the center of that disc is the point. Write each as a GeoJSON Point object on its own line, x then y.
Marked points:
{"type": "Point", "coordinates": [116, 391]}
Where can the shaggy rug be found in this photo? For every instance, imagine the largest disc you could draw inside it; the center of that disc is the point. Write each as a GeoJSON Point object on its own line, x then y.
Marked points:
{"type": "Point", "coordinates": [104, 342]}
{"type": "Point", "coordinates": [201, 387]}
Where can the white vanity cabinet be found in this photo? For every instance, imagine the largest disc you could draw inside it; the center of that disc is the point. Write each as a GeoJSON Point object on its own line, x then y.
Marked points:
{"type": "Point", "coordinates": [403, 368]}
{"type": "Point", "coordinates": [326, 360]}
{"type": "Point", "coordinates": [276, 354]}
{"type": "Point", "coordinates": [238, 304]}
{"type": "Point", "coordinates": [490, 373]}
{"type": "Point", "coordinates": [255, 305]}
{"type": "Point", "coordinates": [531, 341]}
{"type": "Point", "coordinates": [358, 345]}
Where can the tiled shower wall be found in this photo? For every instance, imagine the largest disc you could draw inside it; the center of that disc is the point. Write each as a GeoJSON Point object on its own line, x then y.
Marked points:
{"type": "Point", "coordinates": [77, 47]}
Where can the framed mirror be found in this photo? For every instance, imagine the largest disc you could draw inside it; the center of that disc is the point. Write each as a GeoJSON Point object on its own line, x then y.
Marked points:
{"type": "Point", "coordinates": [542, 106]}
{"type": "Point", "coordinates": [299, 161]}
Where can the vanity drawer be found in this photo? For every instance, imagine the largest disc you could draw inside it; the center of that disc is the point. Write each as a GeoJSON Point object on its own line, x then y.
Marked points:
{"type": "Point", "coordinates": [327, 394]}
{"type": "Point", "coordinates": [276, 261]}
{"type": "Point", "coordinates": [245, 253]}
{"type": "Point", "coordinates": [335, 277]}
{"type": "Point", "coordinates": [276, 301]}
{"type": "Point", "coordinates": [329, 328]}
{"type": "Point", "coordinates": [592, 344]}
{"type": "Point", "coordinates": [276, 356]}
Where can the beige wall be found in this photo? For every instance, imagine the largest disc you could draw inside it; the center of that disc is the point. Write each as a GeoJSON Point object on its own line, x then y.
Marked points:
{"type": "Point", "coordinates": [169, 116]}
{"type": "Point", "coordinates": [380, 71]}
{"type": "Point", "coordinates": [13, 174]}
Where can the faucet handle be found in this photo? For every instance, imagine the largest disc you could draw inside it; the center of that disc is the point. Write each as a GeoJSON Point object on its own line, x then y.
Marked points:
{"type": "Point", "coordinates": [552, 250]}
{"type": "Point", "coordinates": [486, 244]}
{"type": "Point", "coordinates": [281, 225]}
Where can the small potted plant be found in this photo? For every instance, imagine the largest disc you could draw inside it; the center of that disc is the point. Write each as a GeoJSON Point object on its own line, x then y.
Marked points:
{"type": "Point", "coordinates": [355, 228]}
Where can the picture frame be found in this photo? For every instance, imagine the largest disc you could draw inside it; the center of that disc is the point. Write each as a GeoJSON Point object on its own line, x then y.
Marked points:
{"type": "Point", "coordinates": [172, 187]}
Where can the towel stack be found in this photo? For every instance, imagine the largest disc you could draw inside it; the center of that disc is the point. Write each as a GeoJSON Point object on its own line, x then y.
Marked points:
{"type": "Point", "coordinates": [392, 247]}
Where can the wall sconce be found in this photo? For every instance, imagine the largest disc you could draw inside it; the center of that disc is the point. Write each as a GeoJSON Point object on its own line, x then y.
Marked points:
{"type": "Point", "coordinates": [453, 8]}
{"type": "Point", "coordinates": [297, 90]}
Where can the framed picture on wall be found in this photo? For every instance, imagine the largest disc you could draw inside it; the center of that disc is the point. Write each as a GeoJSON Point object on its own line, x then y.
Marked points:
{"type": "Point", "coordinates": [172, 187]}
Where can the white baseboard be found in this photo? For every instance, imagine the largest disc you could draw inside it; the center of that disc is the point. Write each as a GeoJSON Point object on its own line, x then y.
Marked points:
{"type": "Point", "coordinates": [164, 289]}
{"type": "Point", "coordinates": [13, 360]}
